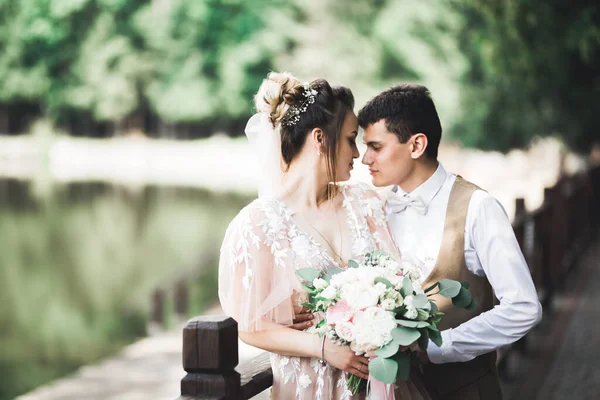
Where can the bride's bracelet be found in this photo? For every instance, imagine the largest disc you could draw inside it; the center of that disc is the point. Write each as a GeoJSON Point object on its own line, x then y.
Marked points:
{"type": "Point", "coordinates": [322, 360]}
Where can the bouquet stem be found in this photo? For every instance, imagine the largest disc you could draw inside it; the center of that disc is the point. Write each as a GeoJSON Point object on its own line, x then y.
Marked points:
{"type": "Point", "coordinates": [355, 383]}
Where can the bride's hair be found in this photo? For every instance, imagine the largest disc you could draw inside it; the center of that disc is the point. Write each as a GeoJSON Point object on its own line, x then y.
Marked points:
{"type": "Point", "coordinates": [281, 91]}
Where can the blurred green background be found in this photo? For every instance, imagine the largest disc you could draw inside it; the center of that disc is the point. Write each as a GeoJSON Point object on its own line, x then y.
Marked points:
{"type": "Point", "coordinates": [80, 259]}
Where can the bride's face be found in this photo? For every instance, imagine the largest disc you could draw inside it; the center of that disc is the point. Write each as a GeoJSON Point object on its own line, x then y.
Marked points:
{"type": "Point", "coordinates": [347, 150]}
{"type": "Point", "coordinates": [389, 161]}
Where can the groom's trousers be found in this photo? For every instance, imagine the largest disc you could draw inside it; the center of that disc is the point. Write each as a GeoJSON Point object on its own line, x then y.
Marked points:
{"type": "Point", "coordinates": [472, 380]}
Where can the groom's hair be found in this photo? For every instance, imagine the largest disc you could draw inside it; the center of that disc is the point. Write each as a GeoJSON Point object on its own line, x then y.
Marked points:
{"type": "Point", "coordinates": [407, 109]}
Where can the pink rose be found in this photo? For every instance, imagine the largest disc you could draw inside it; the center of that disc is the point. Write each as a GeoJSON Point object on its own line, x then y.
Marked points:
{"type": "Point", "coordinates": [339, 312]}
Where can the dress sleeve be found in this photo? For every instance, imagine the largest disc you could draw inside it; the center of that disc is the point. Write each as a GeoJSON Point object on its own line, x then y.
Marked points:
{"type": "Point", "coordinates": [255, 279]}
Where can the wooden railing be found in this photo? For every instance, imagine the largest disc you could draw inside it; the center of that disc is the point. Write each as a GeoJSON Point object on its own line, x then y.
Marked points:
{"type": "Point", "coordinates": [553, 237]}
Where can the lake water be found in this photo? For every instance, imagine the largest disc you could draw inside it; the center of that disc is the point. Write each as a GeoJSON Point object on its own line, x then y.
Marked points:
{"type": "Point", "coordinates": [79, 263]}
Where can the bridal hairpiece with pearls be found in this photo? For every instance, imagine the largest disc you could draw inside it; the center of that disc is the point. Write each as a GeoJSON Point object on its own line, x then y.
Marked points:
{"type": "Point", "coordinates": [293, 114]}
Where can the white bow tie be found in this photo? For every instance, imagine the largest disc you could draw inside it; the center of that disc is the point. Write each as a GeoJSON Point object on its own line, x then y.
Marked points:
{"type": "Point", "coordinates": [397, 203]}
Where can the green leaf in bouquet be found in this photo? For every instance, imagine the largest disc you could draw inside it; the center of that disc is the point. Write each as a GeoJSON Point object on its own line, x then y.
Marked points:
{"type": "Point", "coordinates": [434, 308]}
{"type": "Point", "coordinates": [424, 339]}
{"type": "Point", "coordinates": [377, 253]}
{"type": "Point", "coordinates": [398, 312]}
{"type": "Point", "coordinates": [463, 299]}
{"type": "Point", "coordinates": [430, 288]}
{"type": "Point", "coordinates": [422, 315]}
{"type": "Point", "coordinates": [308, 274]}
{"type": "Point", "coordinates": [387, 283]}
{"type": "Point", "coordinates": [449, 288]}
{"type": "Point", "coordinates": [420, 301]}
{"type": "Point", "coordinates": [465, 284]}
{"type": "Point", "coordinates": [403, 360]}
{"type": "Point", "coordinates": [407, 287]}
{"type": "Point", "coordinates": [321, 323]}
{"type": "Point", "coordinates": [384, 369]}
{"type": "Point", "coordinates": [412, 324]}
{"type": "Point", "coordinates": [388, 350]}
{"type": "Point", "coordinates": [472, 305]}
{"type": "Point", "coordinates": [405, 336]}
{"type": "Point", "coordinates": [352, 264]}
{"type": "Point", "coordinates": [435, 336]}
{"type": "Point", "coordinates": [310, 289]}
{"type": "Point", "coordinates": [331, 271]}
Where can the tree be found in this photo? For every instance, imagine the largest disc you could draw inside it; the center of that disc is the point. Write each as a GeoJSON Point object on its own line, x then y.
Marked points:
{"type": "Point", "coordinates": [534, 69]}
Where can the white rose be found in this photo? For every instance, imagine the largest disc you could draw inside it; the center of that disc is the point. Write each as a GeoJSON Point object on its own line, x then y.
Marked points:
{"type": "Point", "coordinates": [362, 296]}
{"type": "Point", "coordinates": [373, 328]}
{"type": "Point", "coordinates": [329, 293]}
{"type": "Point", "coordinates": [320, 283]}
{"type": "Point", "coordinates": [411, 313]}
{"type": "Point", "coordinates": [388, 304]}
{"type": "Point", "coordinates": [381, 288]}
{"type": "Point", "coordinates": [345, 331]}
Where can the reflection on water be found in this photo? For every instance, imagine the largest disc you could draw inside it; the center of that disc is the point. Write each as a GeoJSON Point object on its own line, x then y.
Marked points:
{"type": "Point", "coordinates": [78, 266]}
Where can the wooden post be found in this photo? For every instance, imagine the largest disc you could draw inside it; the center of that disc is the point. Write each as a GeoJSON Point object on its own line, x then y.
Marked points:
{"type": "Point", "coordinates": [520, 206]}
{"type": "Point", "coordinates": [550, 253]}
{"type": "Point", "coordinates": [158, 307]}
{"type": "Point", "coordinates": [210, 355]}
{"type": "Point", "coordinates": [181, 298]}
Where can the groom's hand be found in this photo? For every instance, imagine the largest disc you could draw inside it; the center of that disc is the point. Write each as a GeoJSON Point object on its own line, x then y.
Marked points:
{"type": "Point", "coordinates": [302, 318]}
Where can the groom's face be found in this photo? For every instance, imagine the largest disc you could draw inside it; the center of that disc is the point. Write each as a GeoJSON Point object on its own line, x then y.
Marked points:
{"type": "Point", "coordinates": [389, 161]}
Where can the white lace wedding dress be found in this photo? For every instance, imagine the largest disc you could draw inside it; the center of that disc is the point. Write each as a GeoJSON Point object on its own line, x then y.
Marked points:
{"type": "Point", "coordinates": [258, 287]}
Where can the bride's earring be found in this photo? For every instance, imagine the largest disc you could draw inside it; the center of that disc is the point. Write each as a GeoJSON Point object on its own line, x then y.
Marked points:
{"type": "Point", "coordinates": [318, 153]}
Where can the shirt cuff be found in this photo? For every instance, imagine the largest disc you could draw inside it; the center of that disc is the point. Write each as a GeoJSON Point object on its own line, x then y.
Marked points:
{"type": "Point", "coordinates": [443, 354]}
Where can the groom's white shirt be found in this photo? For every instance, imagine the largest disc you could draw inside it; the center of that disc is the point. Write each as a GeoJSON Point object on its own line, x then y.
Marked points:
{"type": "Point", "coordinates": [491, 250]}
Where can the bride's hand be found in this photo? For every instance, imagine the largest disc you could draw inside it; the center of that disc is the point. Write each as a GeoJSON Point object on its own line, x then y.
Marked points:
{"type": "Point", "coordinates": [342, 357]}
{"type": "Point", "coordinates": [302, 318]}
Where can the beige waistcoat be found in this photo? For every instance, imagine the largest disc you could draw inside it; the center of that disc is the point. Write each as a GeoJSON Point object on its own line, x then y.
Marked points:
{"type": "Point", "coordinates": [444, 380]}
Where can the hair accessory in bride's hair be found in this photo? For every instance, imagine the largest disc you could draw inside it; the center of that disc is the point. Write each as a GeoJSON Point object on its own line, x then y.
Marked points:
{"type": "Point", "coordinates": [293, 114]}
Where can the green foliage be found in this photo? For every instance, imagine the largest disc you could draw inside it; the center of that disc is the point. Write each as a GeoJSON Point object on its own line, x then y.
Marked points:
{"type": "Point", "coordinates": [500, 72]}
{"type": "Point", "coordinates": [534, 69]}
{"type": "Point", "coordinates": [384, 369]}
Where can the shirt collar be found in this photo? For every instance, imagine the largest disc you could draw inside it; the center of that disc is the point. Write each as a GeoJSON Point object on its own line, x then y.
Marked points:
{"type": "Point", "coordinates": [428, 189]}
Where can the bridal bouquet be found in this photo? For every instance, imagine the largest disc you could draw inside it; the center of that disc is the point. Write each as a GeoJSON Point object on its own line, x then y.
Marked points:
{"type": "Point", "coordinates": [377, 307]}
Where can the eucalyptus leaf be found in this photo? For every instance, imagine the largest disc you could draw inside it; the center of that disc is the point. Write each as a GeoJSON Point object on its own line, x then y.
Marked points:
{"type": "Point", "coordinates": [449, 288]}
{"type": "Point", "coordinates": [388, 350]}
{"type": "Point", "coordinates": [383, 369]}
{"type": "Point", "coordinates": [472, 305]}
{"type": "Point", "coordinates": [434, 308]}
{"type": "Point", "coordinates": [387, 283]}
{"type": "Point", "coordinates": [308, 274]}
{"type": "Point", "coordinates": [352, 264]}
{"type": "Point", "coordinates": [407, 287]}
{"type": "Point", "coordinates": [404, 366]}
{"type": "Point", "coordinates": [405, 336]}
{"type": "Point", "coordinates": [424, 339]}
{"type": "Point", "coordinates": [412, 324]}
{"type": "Point", "coordinates": [420, 301]}
{"type": "Point", "coordinates": [463, 299]}
{"type": "Point", "coordinates": [436, 337]}
{"type": "Point", "coordinates": [331, 271]}
{"type": "Point", "coordinates": [465, 284]}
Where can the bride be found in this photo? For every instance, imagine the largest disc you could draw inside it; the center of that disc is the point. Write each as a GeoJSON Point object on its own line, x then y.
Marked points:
{"type": "Point", "coordinates": [305, 136]}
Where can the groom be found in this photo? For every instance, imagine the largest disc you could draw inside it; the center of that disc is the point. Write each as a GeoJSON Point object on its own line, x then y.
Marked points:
{"type": "Point", "coordinates": [453, 230]}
